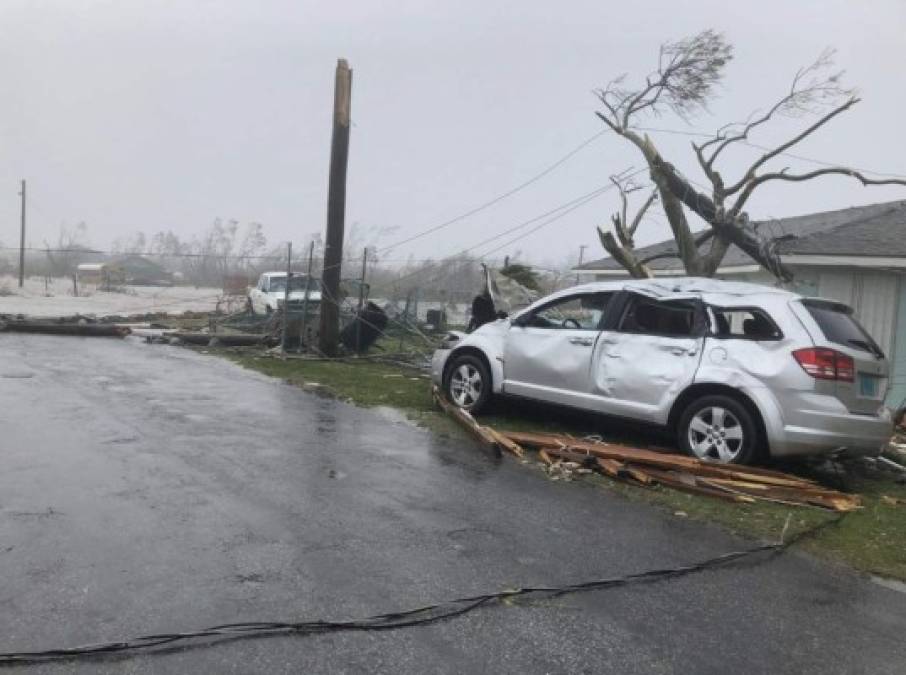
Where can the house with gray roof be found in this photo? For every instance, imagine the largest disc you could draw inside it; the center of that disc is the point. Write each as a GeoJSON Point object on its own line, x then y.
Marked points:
{"type": "Point", "coordinates": [855, 255]}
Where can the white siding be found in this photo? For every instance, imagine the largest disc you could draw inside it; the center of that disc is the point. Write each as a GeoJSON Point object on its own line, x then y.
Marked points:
{"type": "Point", "coordinates": [876, 306]}
{"type": "Point", "coordinates": [837, 285]}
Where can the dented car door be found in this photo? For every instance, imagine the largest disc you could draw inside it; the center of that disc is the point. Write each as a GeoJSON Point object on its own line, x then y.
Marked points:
{"type": "Point", "coordinates": [548, 352]}
{"type": "Point", "coordinates": [647, 355]}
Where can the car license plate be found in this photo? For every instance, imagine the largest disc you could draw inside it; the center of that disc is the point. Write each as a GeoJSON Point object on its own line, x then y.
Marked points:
{"type": "Point", "coordinates": [869, 385]}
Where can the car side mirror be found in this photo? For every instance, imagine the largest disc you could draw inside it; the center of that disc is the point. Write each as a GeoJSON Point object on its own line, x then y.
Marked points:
{"type": "Point", "coordinates": [520, 321]}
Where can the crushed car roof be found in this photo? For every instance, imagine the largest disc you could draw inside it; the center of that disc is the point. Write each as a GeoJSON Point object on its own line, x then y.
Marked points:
{"type": "Point", "coordinates": [713, 291]}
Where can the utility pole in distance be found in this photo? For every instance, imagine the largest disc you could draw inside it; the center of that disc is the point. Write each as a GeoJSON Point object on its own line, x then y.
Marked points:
{"type": "Point", "coordinates": [581, 255]}
{"type": "Point", "coordinates": [336, 212]}
{"type": "Point", "coordinates": [22, 239]}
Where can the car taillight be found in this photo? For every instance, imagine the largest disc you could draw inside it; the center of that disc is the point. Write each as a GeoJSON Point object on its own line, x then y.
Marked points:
{"type": "Point", "coordinates": [826, 364]}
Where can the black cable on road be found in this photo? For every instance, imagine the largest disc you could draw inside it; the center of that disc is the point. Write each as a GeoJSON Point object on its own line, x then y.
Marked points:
{"type": "Point", "coordinates": [419, 616]}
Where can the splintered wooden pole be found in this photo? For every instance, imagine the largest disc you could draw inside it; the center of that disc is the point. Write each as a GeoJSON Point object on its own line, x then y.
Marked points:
{"type": "Point", "coordinates": [329, 337]}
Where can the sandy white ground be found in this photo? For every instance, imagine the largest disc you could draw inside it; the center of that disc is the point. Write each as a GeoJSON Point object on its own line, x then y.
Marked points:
{"type": "Point", "coordinates": [58, 299]}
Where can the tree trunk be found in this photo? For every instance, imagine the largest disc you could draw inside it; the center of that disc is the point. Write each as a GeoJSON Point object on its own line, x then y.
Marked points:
{"type": "Point", "coordinates": [733, 231]}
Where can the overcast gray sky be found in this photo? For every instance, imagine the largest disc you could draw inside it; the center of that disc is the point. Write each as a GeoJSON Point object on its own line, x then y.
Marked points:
{"type": "Point", "coordinates": [154, 115]}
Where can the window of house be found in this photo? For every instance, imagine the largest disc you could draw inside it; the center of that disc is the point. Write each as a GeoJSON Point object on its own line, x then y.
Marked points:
{"type": "Point", "coordinates": [673, 317]}
{"type": "Point", "coordinates": [748, 323]}
{"type": "Point", "coordinates": [583, 312]}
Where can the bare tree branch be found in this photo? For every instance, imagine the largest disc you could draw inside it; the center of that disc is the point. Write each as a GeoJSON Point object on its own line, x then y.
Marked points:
{"type": "Point", "coordinates": [622, 247]}
{"type": "Point", "coordinates": [624, 256]}
{"type": "Point", "coordinates": [812, 89]}
{"type": "Point", "coordinates": [797, 178]}
{"type": "Point", "coordinates": [750, 173]}
{"type": "Point", "coordinates": [687, 73]}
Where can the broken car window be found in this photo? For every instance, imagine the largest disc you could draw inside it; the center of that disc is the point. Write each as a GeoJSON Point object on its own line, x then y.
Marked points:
{"type": "Point", "coordinates": [583, 312]}
{"type": "Point", "coordinates": [746, 323]}
{"type": "Point", "coordinates": [643, 315]}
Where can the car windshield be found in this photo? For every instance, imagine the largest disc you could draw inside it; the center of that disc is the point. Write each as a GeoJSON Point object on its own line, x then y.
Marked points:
{"type": "Point", "coordinates": [278, 284]}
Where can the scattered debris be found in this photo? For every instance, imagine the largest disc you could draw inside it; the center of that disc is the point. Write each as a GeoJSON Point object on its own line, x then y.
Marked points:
{"type": "Point", "coordinates": [645, 467]}
{"type": "Point", "coordinates": [563, 456]}
{"type": "Point", "coordinates": [365, 329]}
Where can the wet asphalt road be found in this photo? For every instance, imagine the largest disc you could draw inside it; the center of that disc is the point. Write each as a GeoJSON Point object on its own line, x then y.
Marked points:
{"type": "Point", "coordinates": [151, 489]}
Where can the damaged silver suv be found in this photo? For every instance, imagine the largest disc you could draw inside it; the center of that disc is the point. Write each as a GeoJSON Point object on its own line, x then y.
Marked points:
{"type": "Point", "coordinates": [735, 370]}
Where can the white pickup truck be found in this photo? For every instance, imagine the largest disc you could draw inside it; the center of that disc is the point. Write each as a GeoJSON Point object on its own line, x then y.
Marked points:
{"type": "Point", "coordinates": [268, 295]}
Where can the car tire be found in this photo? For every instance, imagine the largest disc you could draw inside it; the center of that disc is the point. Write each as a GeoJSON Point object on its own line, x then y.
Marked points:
{"type": "Point", "coordinates": [467, 383]}
{"type": "Point", "coordinates": [268, 310]}
{"type": "Point", "coordinates": [249, 307]}
{"type": "Point", "coordinates": [718, 429]}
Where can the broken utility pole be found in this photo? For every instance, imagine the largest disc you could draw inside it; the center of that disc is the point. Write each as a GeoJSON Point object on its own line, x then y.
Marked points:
{"type": "Point", "coordinates": [22, 240]}
{"type": "Point", "coordinates": [336, 211]}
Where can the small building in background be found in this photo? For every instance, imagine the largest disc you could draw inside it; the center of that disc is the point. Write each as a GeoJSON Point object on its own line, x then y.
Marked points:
{"type": "Point", "coordinates": [142, 271]}
{"type": "Point", "coordinates": [101, 276]}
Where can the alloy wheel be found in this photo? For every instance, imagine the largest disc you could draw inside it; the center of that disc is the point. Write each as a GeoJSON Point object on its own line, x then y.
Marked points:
{"type": "Point", "coordinates": [715, 434]}
{"type": "Point", "coordinates": [465, 385]}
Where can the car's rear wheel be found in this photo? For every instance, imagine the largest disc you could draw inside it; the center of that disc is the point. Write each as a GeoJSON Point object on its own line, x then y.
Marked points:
{"type": "Point", "coordinates": [468, 383]}
{"type": "Point", "coordinates": [718, 429]}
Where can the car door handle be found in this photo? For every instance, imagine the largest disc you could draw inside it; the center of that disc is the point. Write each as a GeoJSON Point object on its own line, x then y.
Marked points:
{"type": "Point", "coordinates": [680, 351]}
{"type": "Point", "coordinates": [584, 342]}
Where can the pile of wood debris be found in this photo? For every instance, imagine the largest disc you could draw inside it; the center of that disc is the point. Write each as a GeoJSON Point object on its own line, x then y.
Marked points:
{"type": "Point", "coordinates": [647, 467]}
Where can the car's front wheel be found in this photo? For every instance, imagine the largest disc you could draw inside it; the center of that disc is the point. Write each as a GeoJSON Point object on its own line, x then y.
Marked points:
{"type": "Point", "coordinates": [468, 383]}
{"type": "Point", "coordinates": [718, 429]}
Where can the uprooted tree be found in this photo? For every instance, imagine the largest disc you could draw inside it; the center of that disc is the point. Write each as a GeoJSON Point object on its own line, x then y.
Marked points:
{"type": "Point", "coordinates": [684, 83]}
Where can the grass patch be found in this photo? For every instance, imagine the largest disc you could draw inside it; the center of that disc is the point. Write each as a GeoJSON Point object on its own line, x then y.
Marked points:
{"type": "Point", "coordinates": [870, 540]}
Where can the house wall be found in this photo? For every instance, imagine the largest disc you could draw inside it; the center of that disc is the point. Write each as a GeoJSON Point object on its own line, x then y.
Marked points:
{"type": "Point", "coordinates": [898, 359]}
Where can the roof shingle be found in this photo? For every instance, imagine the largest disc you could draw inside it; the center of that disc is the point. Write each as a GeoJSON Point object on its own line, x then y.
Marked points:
{"type": "Point", "coordinates": [872, 230]}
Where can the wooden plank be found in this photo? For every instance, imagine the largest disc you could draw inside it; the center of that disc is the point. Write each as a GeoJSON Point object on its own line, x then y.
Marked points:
{"type": "Point", "coordinates": [610, 467]}
{"type": "Point", "coordinates": [504, 442]}
{"type": "Point", "coordinates": [672, 480]}
{"type": "Point", "coordinates": [465, 420]}
{"type": "Point", "coordinates": [638, 474]}
{"type": "Point", "coordinates": [663, 461]}
{"type": "Point", "coordinates": [571, 456]}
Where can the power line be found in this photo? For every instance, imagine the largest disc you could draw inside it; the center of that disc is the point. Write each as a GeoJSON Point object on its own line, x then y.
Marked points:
{"type": "Point", "coordinates": [764, 148]}
{"type": "Point", "coordinates": [554, 219]}
{"type": "Point", "coordinates": [432, 613]}
{"type": "Point", "coordinates": [499, 198]}
{"type": "Point", "coordinates": [560, 210]}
